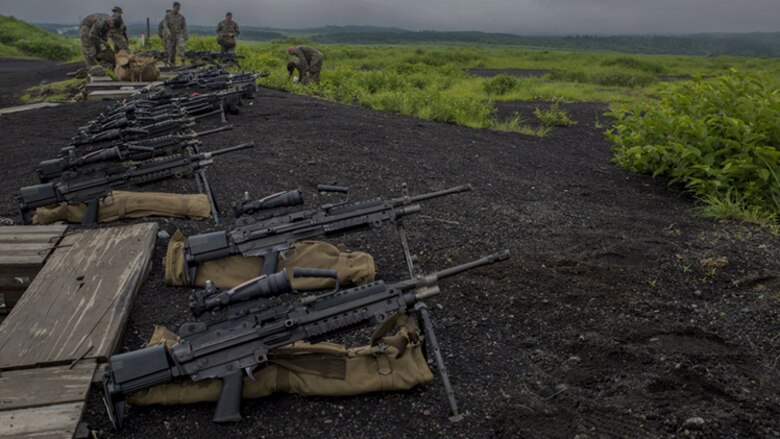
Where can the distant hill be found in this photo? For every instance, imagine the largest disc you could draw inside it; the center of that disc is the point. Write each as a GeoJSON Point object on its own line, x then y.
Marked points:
{"type": "Point", "coordinates": [749, 44]}
{"type": "Point", "coordinates": [19, 38]}
{"type": "Point", "coordinates": [743, 44]}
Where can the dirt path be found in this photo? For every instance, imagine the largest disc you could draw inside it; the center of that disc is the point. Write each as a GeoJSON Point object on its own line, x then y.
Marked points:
{"type": "Point", "coordinates": [609, 320]}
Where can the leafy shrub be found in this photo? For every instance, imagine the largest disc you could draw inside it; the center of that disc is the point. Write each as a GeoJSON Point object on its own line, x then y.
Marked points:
{"type": "Point", "coordinates": [616, 78]}
{"type": "Point", "coordinates": [500, 84]}
{"type": "Point", "coordinates": [554, 116]}
{"type": "Point", "coordinates": [634, 63]}
{"type": "Point", "coordinates": [719, 138]}
{"type": "Point", "coordinates": [622, 78]}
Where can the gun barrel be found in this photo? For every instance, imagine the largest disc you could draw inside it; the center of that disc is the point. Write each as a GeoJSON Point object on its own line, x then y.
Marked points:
{"type": "Point", "coordinates": [213, 131]}
{"type": "Point", "coordinates": [452, 190]}
{"type": "Point", "coordinates": [487, 260]}
{"type": "Point", "coordinates": [228, 150]}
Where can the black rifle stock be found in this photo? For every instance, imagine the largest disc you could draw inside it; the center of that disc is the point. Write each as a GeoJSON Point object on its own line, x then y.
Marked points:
{"type": "Point", "coordinates": [92, 189]}
{"type": "Point", "coordinates": [269, 237]}
{"type": "Point", "coordinates": [230, 349]}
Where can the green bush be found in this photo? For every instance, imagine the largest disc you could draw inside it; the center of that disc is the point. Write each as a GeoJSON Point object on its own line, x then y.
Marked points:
{"type": "Point", "coordinates": [622, 78]}
{"type": "Point", "coordinates": [33, 41]}
{"type": "Point", "coordinates": [634, 63]}
{"type": "Point", "coordinates": [616, 78]}
{"type": "Point", "coordinates": [719, 138]}
{"type": "Point", "coordinates": [554, 116]}
{"type": "Point", "coordinates": [500, 84]}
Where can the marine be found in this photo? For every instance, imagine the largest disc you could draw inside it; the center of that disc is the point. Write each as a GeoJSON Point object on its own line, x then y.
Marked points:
{"type": "Point", "coordinates": [227, 30]}
{"type": "Point", "coordinates": [308, 62]}
{"type": "Point", "coordinates": [119, 36]}
{"type": "Point", "coordinates": [94, 30]}
{"type": "Point", "coordinates": [162, 32]}
{"type": "Point", "coordinates": [176, 26]}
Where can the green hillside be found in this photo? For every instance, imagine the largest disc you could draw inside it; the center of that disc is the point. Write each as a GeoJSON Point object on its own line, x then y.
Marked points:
{"type": "Point", "coordinates": [18, 38]}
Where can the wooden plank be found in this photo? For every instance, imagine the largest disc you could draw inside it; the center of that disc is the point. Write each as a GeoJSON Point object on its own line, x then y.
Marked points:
{"type": "Point", "coordinates": [115, 85]}
{"type": "Point", "coordinates": [18, 108]}
{"type": "Point", "coordinates": [54, 421]}
{"type": "Point", "coordinates": [9, 232]}
{"type": "Point", "coordinates": [109, 94]}
{"type": "Point", "coordinates": [27, 388]}
{"type": "Point", "coordinates": [78, 304]}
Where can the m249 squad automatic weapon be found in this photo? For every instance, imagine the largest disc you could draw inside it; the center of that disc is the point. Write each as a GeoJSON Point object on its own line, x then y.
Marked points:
{"type": "Point", "coordinates": [234, 348]}
{"type": "Point", "coordinates": [93, 188]}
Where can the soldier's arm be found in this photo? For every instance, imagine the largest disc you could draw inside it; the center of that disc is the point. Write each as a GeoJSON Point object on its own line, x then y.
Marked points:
{"type": "Point", "coordinates": [219, 28]}
{"type": "Point", "coordinates": [237, 31]}
{"type": "Point", "coordinates": [303, 64]}
{"type": "Point", "coordinates": [184, 28]}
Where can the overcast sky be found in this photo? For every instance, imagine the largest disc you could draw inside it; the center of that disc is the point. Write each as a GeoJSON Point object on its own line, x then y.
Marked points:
{"type": "Point", "coordinates": [528, 17]}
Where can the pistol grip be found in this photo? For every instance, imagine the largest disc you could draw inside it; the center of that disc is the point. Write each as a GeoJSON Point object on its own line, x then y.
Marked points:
{"type": "Point", "coordinates": [270, 261]}
{"type": "Point", "coordinates": [91, 212]}
{"type": "Point", "coordinates": [229, 404]}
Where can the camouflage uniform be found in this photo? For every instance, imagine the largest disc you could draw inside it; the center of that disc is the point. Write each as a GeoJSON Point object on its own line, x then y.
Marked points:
{"type": "Point", "coordinates": [162, 32]}
{"type": "Point", "coordinates": [226, 42]}
{"type": "Point", "coordinates": [176, 27]}
{"type": "Point", "coordinates": [93, 30]}
{"type": "Point", "coordinates": [309, 63]}
{"type": "Point", "coordinates": [119, 36]}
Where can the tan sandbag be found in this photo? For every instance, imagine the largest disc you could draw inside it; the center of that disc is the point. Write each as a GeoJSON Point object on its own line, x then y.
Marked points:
{"type": "Point", "coordinates": [355, 268]}
{"type": "Point", "coordinates": [120, 205]}
{"type": "Point", "coordinates": [321, 369]}
{"type": "Point", "coordinates": [135, 68]}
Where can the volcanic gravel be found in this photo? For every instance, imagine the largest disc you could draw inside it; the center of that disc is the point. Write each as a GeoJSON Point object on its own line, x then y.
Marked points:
{"type": "Point", "coordinates": [622, 313]}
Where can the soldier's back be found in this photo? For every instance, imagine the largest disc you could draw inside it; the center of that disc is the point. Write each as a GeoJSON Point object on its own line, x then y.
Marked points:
{"type": "Point", "coordinates": [91, 19]}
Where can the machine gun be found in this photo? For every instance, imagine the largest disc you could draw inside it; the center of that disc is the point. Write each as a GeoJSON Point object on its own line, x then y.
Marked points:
{"type": "Point", "coordinates": [134, 133]}
{"type": "Point", "coordinates": [271, 236]}
{"type": "Point", "coordinates": [69, 165]}
{"type": "Point", "coordinates": [159, 55]}
{"type": "Point", "coordinates": [229, 349]}
{"type": "Point", "coordinates": [96, 129]}
{"type": "Point", "coordinates": [91, 189]}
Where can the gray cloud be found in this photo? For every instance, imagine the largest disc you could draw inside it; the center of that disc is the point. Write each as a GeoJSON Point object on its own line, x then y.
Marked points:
{"type": "Point", "coordinates": [513, 16]}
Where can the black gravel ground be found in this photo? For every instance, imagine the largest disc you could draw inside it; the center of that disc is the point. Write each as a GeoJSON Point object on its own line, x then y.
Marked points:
{"type": "Point", "coordinates": [608, 321]}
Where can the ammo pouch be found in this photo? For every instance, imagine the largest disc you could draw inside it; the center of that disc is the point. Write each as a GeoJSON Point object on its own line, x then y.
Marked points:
{"type": "Point", "coordinates": [323, 369]}
{"type": "Point", "coordinates": [353, 267]}
{"type": "Point", "coordinates": [120, 205]}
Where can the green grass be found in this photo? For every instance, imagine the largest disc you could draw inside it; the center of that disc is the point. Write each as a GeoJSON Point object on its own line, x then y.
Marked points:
{"type": "Point", "coordinates": [60, 91]}
{"type": "Point", "coordinates": [18, 38]}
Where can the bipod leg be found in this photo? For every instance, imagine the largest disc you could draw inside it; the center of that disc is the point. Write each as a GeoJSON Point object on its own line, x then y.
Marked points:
{"type": "Point", "coordinates": [422, 310]}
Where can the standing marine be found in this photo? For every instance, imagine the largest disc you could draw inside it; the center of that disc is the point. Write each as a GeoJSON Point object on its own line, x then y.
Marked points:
{"type": "Point", "coordinates": [227, 31]}
{"type": "Point", "coordinates": [119, 36]}
{"type": "Point", "coordinates": [176, 26]}
{"type": "Point", "coordinates": [308, 61]}
{"type": "Point", "coordinates": [162, 32]}
{"type": "Point", "coordinates": [94, 30]}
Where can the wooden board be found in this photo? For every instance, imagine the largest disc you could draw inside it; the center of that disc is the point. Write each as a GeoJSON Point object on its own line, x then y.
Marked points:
{"type": "Point", "coordinates": [20, 389]}
{"type": "Point", "coordinates": [100, 95]}
{"type": "Point", "coordinates": [21, 246]}
{"type": "Point", "coordinates": [115, 85]}
{"type": "Point", "coordinates": [54, 421]}
{"type": "Point", "coordinates": [77, 306]}
{"type": "Point", "coordinates": [18, 108]}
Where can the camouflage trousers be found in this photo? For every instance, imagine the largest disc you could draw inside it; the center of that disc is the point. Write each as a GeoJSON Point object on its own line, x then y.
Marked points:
{"type": "Point", "coordinates": [227, 48]}
{"type": "Point", "coordinates": [313, 74]}
{"type": "Point", "coordinates": [90, 47]}
{"type": "Point", "coordinates": [175, 45]}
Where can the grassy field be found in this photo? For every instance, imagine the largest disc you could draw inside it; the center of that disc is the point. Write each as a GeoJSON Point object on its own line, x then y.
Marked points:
{"type": "Point", "coordinates": [432, 81]}
{"type": "Point", "coordinates": [20, 39]}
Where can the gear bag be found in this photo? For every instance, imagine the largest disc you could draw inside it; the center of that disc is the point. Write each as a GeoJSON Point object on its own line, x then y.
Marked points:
{"type": "Point", "coordinates": [390, 362]}
{"type": "Point", "coordinates": [353, 267]}
{"type": "Point", "coordinates": [136, 68]}
{"type": "Point", "coordinates": [120, 205]}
